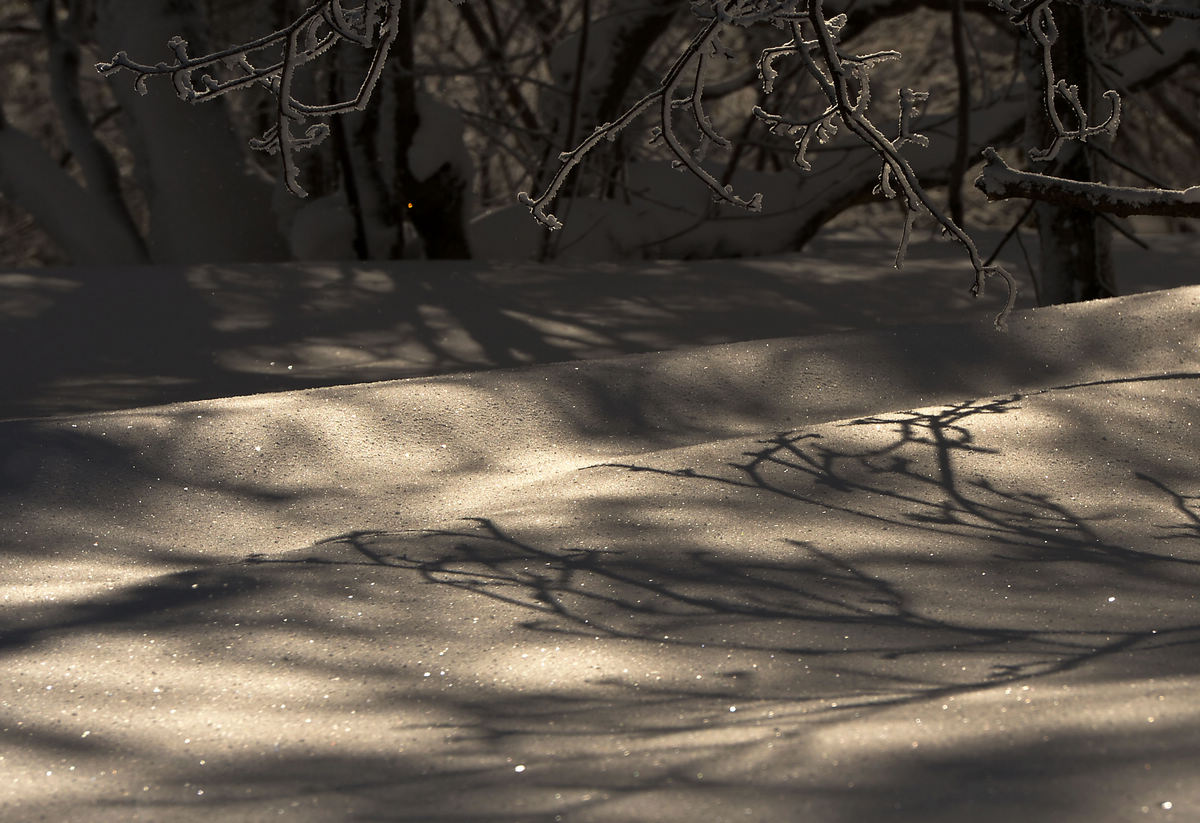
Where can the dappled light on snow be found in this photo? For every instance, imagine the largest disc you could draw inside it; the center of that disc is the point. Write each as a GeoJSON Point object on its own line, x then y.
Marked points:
{"type": "Point", "coordinates": [793, 575]}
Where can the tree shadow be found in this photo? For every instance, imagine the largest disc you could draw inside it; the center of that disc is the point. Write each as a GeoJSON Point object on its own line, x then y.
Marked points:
{"type": "Point", "coordinates": [1188, 506]}
{"type": "Point", "coordinates": [725, 664]}
{"type": "Point", "coordinates": [1030, 525]}
{"type": "Point", "coordinates": [157, 604]}
{"type": "Point", "coordinates": [769, 656]}
{"type": "Point", "coordinates": [855, 599]}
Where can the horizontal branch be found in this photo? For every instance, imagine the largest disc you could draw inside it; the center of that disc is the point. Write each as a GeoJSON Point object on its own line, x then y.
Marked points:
{"type": "Point", "coordinates": [1019, 10]}
{"type": "Point", "coordinates": [1150, 8]}
{"type": "Point", "coordinates": [999, 181]}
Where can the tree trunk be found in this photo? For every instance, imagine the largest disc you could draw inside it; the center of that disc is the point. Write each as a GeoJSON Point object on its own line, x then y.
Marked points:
{"type": "Point", "coordinates": [1076, 245]}
{"type": "Point", "coordinates": [79, 221]}
{"type": "Point", "coordinates": [434, 200]}
{"type": "Point", "coordinates": [100, 171]}
{"type": "Point", "coordinates": [204, 205]}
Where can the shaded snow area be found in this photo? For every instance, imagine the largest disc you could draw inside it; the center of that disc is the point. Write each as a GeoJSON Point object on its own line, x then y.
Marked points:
{"type": "Point", "coordinates": [94, 339]}
{"type": "Point", "coordinates": [770, 539]}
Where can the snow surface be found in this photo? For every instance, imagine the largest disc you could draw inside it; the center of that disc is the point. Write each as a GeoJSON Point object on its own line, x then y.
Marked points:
{"type": "Point", "coordinates": [920, 572]}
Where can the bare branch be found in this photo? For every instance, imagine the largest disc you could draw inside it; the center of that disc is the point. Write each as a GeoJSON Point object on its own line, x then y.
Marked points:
{"type": "Point", "coordinates": [1037, 19]}
{"type": "Point", "coordinates": [692, 60]}
{"type": "Point", "coordinates": [844, 80]}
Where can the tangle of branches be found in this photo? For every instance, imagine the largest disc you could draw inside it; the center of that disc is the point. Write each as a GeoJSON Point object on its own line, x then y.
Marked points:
{"type": "Point", "coordinates": [843, 79]}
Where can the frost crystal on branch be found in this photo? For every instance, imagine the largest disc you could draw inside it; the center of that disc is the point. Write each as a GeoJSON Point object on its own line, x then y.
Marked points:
{"type": "Point", "coordinates": [681, 124]}
{"type": "Point", "coordinates": [998, 181]}
{"type": "Point", "coordinates": [1036, 17]}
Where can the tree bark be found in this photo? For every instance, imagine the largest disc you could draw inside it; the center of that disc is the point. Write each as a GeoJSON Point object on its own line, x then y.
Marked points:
{"type": "Point", "coordinates": [80, 223]}
{"type": "Point", "coordinates": [99, 169]}
{"type": "Point", "coordinates": [1000, 182]}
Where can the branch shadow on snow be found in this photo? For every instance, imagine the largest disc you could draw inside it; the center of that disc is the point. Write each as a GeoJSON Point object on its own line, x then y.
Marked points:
{"type": "Point", "coordinates": [825, 628]}
{"type": "Point", "coordinates": [865, 597]}
{"type": "Point", "coordinates": [657, 593]}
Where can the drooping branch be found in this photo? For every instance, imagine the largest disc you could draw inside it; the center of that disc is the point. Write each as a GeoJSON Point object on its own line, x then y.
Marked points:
{"type": "Point", "coordinates": [897, 177]}
{"type": "Point", "coordinates": [691, 61]}
{"type": "Point", "coordinates": [1038, 21]}
{"type": "Point", "coordinates": [999, 181]}
{"type": "Point", "coordinates": [843, 79]}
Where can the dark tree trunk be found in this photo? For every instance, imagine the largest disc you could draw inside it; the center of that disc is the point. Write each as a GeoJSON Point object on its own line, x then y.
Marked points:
{"type": "Point", "coordinates": [435, 205]}
{"type": "Point", "coordinates": [1076, 245]}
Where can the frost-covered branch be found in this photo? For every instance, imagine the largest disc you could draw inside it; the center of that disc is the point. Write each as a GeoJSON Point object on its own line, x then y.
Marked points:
{"type": "Point", "coordinates": [1037, 19]}
{"type": "Point", "coordinates": [691, 62]}
{"type": "Point", "coordinates": [999, 181]}
{"type": "Point", "coordinates": [679, 104]}
{"type": "Point", "coordinates": [372, 25]}
{"type": "Point", "coordinates": [835, 73]}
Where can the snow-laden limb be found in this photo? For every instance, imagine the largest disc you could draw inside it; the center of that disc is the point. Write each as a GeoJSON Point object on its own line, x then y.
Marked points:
{"type": "Point", "coordinates": [999, 181]}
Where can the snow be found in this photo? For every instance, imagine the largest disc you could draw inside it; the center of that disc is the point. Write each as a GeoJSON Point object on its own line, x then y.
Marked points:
{"type": "Point", "coordinates": [322, 229]}
{"type": "Point", "coordinates": [853, 575]}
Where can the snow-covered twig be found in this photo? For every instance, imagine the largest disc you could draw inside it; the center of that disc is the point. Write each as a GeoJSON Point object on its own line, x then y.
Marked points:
{"type": "Point", "coordinates": [1037, 19]}
{"type": "Point", "coordinates": [834, 72]}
